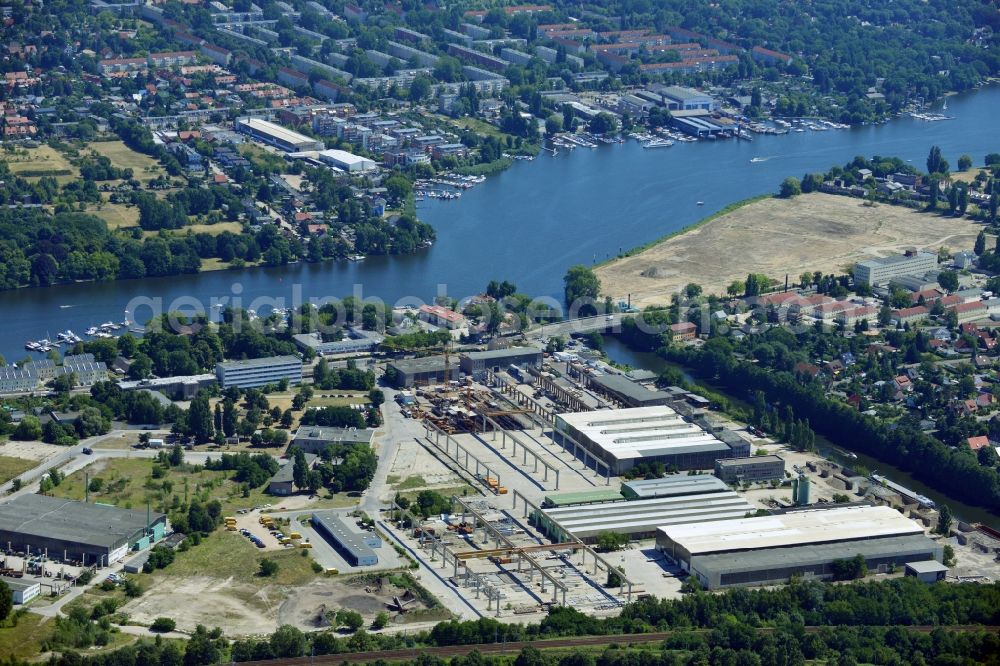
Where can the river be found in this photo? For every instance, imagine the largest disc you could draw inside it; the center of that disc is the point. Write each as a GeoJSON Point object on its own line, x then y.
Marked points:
{"type": "Point", "coordinates": [529, 223]}
{"type": "Point", "coordinates": [619, 352]}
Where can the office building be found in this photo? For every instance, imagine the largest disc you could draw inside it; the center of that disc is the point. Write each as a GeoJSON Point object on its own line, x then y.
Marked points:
{"type": "Point", "coordinates": [753, 469]}
{"type": "Point", "coordinates": [877, 272]}
{"type": "Point", "coordinates": [257, 372]}
{"type": "Point", "coordinates": [314, 439]}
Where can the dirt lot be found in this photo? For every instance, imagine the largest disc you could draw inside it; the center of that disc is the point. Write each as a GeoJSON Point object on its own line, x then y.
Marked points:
{"type": "Point", "coordinates": [812, 232]}
{"type": "Point", "coordinates": [242, 609]}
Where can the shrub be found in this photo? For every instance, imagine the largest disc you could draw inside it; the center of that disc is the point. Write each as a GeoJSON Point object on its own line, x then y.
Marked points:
{"type": "Point", "coordinates": [162, 625]}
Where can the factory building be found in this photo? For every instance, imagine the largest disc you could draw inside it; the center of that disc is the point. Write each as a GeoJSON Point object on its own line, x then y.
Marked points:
{"type": "Point", "coordinates": [314, 439]}
{"type": "Point", "coordinates": [877, 272]}
{"type": "Point", "coordinates": [580, 497]}
{"type": "Point", "coordinates": [625, 438]}
{"type": "Point", "coordinates": [407, 372]}
{"type": "Point", "coordinates": [771, 549]}
{"type": "Point", "coordinates": [499, 359]}
{"type": "Point", "coordinates": [256, 372]}
{"type": "Point", "coordinates": [76, 531]}
{"type": "Point", "coordinates": [355, 548]}
{"type": "Point", "coordinates": [628, 392]}
{"type": "Point", "coordinates": [642, 518]}
{"type": "Point", "coordinates": [675, 485]}
{"type": "Point", "coordinates": [277, 136]}
{"type": "Point", "coordinates": [753, 469]}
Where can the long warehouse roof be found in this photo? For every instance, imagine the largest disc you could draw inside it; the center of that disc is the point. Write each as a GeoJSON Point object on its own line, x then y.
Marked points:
{"type": "Point", "coordinates": [69, 520]}
{"type": "Point", "coordinates": [647, 515]}
{"type": "Point", "coordinates": [796, 528]}
{"type": "Point", "coordinates": [676, 484]}
{"type": "Point", "coordinates": [276, 131]}
{"type": "Point", "coordinates": [642, 432]}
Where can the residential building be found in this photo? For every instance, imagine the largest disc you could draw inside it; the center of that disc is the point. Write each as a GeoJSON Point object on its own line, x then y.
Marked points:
{"type": "Point", "coordinates": [441, 316]}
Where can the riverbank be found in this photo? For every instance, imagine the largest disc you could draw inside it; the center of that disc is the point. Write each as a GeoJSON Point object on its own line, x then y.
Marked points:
{"type": "Point", "coordinates": [810, 232]}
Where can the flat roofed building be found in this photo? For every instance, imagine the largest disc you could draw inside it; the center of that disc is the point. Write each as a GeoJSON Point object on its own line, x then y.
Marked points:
{"type": "Point", "coordinates": [673, 486]}
{"type": "Point", "coordinates": [624, 438]}
{"type": "Point", "coordinates": [74, 531]}
{"type": "Point", "coordinates": [771, 549]}
{"type": "Point", "coordinates": [642, 518]}
{"type": "Point", "coordinates": [409, 372]}
{"type": "Point", "coordinates": [355, 341]}
{"type": "Point", "coordinates": [498, 359]}
{"type": "Point", "coordinates": [928, 571]}
{"type": "Point", "coordinates": [351, 545]}
{"type": "Point", "coordinates": [754, 468]}
{"type": "Point", "coordinates": [628, 392]}
{"type": "Point", "coordinates": [22, 591]}
{"type": "Point", "coordinates": [582, 497]}
{"type": "Point", "coordinates": [313, 439]}
{"type": "Point", "coordinates": [441, 316]}
{"type": "Point", "coordinates": [277, 136]}
{"type": "Point", "coordinates": [257, 372]}
{"type": "Point", "coordinates": [346, 161]}
{"type": "Point", "coordinates": [876, 272]}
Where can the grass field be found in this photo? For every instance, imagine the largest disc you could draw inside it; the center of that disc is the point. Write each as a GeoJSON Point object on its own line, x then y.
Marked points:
{"type": "Point", "coordinates": [21, 636]}
{"type": "Point", "coordinates": [43, 158]}
{"type": "Point", "coordinates": [124, 157]}
{"type": "Point", "coordinates": [811, 232]}
{"type": "Point", "coordinates": [474, 124]}
{"type": "Point", "coordinates": [213, 229]}
{"type": "Point", "coordinates": [128, 483]}
{"type": "Point", "coordinates": [118, 216]}
{"type": "Point", "coordinates": [229, 556]}
{"type": "Point", "coordinates": [11, 467]}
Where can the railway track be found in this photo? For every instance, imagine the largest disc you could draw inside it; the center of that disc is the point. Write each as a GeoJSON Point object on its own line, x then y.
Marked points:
{"type": "Point", "coordinates": [447, 651]}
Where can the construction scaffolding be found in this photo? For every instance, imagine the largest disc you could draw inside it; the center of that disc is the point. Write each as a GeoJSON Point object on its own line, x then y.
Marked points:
{"type": "Point", "coordinates": [568, 537]}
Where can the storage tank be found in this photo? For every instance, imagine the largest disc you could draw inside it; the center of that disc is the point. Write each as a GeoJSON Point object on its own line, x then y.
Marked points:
{"type": "Point", "coordinates": [802, 496]}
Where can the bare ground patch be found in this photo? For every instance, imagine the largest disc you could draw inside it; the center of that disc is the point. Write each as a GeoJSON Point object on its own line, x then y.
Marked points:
{"type": "Point", "coordinates": [812, 232]}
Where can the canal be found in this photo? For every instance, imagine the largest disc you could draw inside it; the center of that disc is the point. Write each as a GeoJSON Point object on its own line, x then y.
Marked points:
{"type": "Point", "coordinates": [619, 352]}
{"type": "Point", "coordinates": [528, 224]}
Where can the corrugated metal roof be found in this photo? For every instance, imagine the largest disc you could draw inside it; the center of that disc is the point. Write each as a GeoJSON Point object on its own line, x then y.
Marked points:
{"type": "Point", "coordinates": [795, 528]}
{"type": "Point", "coordinates": [674, 485]}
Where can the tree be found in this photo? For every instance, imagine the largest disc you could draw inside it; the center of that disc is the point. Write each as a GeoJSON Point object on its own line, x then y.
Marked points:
{"type": "Point", "coordinates": [199, 420]}
{"type": "Point", "coordinates": [948, 556]}
{"type": "Point", "coordinates": [944, 520]}
{"type": "Point", "coordinates": [964, 163]}
{"type": "Point", "coordinates": [381, 621]}
{"type": "Point", "coordinates": [610, 541]}
{"type": "Point", "coordinates": [581, 283]}
{"type": "Point", "coordinates": [300, 469]}
{"type": "Point", "coordinates": [603, 123]}
{"type": "Point", "coordinates": [790, 187]}
{"type": "Point", "coordinates": [6, 601]}
{"type": "Point", "coordinates": [268, 567]}
{"type": "Point", "coordinates": [30, 428]}
{"type": "Point", "coordinates": [288, 641]}
{"type": "Point", "coordinates": [948, 280]}
{"type": "Point", "coordinates": [936, 163]}
{"type": "Point", "coordinates": [350, 619]}
{"type": "Point", "coordinates": [229, 417]}
{"type": "Point", "coordinates": [553, 124]}
{"type": "Point", "coordinates": [980, 245]}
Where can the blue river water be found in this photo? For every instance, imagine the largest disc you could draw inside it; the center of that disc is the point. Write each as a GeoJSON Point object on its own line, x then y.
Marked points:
{"type": "Point", "coordinates": [527, 224]}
